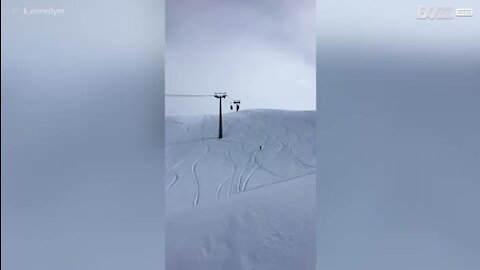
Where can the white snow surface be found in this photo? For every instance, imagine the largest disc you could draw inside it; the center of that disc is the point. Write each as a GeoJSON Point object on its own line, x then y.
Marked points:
{"type": "Point", "coordinates": [230, 204]}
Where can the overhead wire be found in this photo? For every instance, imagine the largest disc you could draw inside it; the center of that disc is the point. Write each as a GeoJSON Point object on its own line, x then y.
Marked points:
{"type": "Point", "coordinates": [187, 95]}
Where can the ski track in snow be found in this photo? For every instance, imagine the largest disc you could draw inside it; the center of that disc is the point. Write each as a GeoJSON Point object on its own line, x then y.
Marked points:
{"type": "Point", "coordinates": [243, 166]}
{"type": "Point", "coordinates": [172, 168]}
{"type": "Point", "coordinates": [194, 170]}
{"type": "Point", "coordinates": [229, 157]}
{"type": "Point", "coordinates": [239, 183]}
{"type": "Point", "coordinates": [175, 177]}
{"type": "Point", "coordinates": [249, 176]}
{"type": "Point", "coordinates": [194, 165]}
{"type": "Point", "coordinates": [253, 155]}
{"type": "Point", "coordinates": [291, 147]}
{"type": "Point", "coordinates": [266, 141]}
{"type": "Point", "coordinates": [283, 181]}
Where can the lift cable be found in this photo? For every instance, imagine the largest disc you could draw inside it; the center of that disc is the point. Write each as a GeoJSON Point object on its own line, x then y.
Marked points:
{"type": "Point", "coordinates": [187, 95]}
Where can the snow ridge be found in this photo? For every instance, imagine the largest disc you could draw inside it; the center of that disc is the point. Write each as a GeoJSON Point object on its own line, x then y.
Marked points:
{"type": "Point", "coordinates": [245, 201]}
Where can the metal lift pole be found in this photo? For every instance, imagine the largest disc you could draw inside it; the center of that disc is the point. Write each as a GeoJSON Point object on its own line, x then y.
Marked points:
{"type": "Point", "coordinates": [220, 96]}
{"type": "Point", "coordinates": [220, 131]}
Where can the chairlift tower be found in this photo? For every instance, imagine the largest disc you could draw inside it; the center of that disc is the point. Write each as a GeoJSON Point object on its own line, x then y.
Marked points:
{"type": "Point", "coordinates": [220, 95]}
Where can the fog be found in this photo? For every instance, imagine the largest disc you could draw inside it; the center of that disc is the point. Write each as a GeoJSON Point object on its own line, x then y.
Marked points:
{"type": "Point", "coordinates": [82, 112]}
{"type": "Point", "coordinates": [260, 52]}
{"type": "Point", "coordinates": [398, 137]}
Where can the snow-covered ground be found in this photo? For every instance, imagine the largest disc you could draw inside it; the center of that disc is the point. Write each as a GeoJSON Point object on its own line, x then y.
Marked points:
{"type": "Point", "coordinates": [231, 205]}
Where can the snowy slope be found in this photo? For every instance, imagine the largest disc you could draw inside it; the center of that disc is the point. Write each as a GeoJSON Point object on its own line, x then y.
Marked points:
{"type": "Point", "coordinates": [232, 205]}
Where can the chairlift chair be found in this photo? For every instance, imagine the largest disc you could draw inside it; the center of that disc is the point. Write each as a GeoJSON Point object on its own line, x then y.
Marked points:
{"type": "Point", "coordinates": [237, 103]}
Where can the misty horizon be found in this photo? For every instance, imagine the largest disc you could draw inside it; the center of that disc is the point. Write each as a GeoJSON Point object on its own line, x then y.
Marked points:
{"type": "Point", "coordinates": [259, 52]}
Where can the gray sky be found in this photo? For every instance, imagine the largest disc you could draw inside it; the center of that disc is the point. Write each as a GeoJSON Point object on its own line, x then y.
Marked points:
{"type": "Point", "coordinates": [261, 52]}
{"type": "Point", "coordinates": [81, 137]}
{"type": "Point", "coordinates": [398, 148]}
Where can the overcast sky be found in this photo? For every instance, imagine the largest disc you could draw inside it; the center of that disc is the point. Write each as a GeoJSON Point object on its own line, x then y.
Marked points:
{"type": "Point", "coordinates": [259, 51]}
{"type": "Point", "coordinates": [81, 137]}
{"type": "Point", "coordinates": [398, 128]}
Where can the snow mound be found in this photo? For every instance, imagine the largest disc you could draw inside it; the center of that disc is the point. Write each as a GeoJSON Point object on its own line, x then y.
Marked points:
{"type": "Point", "coordinates": [245, 201]}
